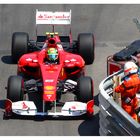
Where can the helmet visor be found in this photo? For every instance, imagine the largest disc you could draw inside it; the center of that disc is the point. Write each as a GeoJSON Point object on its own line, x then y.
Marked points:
{"type": "Point", "coordinates": [52, 57]}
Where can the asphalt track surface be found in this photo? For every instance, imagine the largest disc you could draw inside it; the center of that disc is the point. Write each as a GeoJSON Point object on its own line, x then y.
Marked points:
{"type": "Point", "coordinates": [113, 29]}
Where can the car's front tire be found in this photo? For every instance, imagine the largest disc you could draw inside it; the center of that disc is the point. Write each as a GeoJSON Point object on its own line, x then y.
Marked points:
{"type": "Point", "coordinates": [84, 89]}
{"type": "Point", "coordinates": [15, 87]}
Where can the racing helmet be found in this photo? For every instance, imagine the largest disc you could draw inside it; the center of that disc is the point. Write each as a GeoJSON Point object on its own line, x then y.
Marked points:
{"type": "Point", "coordinates": [52, 54]}
{"type": "Point", "coordinates": [130, 68]}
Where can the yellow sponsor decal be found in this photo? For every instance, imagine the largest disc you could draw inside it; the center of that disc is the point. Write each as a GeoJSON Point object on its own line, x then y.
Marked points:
{"type": "Point", "coordinates": [51, 71]}
{"type": "Point", "coordinates": [49, 87]}
{"type": "Point", "coordinates": [62, 72]}
{"type": "Point", "coordinates": [49, 92]}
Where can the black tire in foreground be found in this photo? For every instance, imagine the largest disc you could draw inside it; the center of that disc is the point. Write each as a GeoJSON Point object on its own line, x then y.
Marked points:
{"type": "Point", "coordinates": [19, 45]}
{"type": "Point", "coordinates": [86, 47]}
{"type": "Point", "coordinates": [84, 89]}
{"type": "Point", "coordinates": [15, 88]}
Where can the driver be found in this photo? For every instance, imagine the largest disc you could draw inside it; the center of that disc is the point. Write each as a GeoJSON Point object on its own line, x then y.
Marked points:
{"type": "Point", "coordinates": [51, 56]}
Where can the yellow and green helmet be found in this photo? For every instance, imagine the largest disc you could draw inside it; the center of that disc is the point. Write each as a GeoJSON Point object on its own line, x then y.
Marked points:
{"type": "Point", "coordinates": [52, 54]}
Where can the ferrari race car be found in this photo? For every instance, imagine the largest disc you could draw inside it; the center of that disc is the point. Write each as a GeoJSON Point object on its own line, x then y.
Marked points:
{"type": "Point", "coordinates": [48, 82]}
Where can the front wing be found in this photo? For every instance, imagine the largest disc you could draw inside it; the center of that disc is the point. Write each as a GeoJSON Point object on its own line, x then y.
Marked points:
{"type": "Point", "coordinates": [28, 108]}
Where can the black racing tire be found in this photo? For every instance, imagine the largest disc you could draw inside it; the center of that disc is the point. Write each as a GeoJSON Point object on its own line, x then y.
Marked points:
{"type": "Point", "coordinates": [84, 89]}
{"type": "Point", "coordinates": [19, 45]}
{"type": "Point", "coordinates": [15, 88]}
{"type": "Point", "coordinates": [86, 47]}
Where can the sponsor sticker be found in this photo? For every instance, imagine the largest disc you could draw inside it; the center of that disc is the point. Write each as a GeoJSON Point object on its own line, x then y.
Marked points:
{"type": "Point", "coordinates": [73, 107]}
{"type": "Point", "coordinates": [49, 80]}
{"type": "Point", "coordinates": [49, 92]}
{"type": "Point", "coordinates": [51, 15]}
{"type": "Point", "coordinates": [62, 72]}
{"type": "Point", "coordinates": [51, 71]}
{"type": "Point", "coordinates": [49, 87]}
{"type": "Point", "coordinates": [67, 61]}
{"type": "Point", "coordinates": [49, 96]}
{"type": "Point", "coordinates": [24, 106]}
{"type": "Point", "coordinates": [73, 60]}
{"type": "Point", "coordinates": [28, 59]}
{"type": "Point", "coordinates": [35, 60]}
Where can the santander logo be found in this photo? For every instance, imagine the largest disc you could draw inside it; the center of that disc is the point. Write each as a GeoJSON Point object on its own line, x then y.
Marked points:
{"type": "Point", "coordinates": [45, 16]}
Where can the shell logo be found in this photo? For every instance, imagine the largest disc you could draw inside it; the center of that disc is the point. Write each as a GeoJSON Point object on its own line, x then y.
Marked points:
{"type": "Point", "coordinates": [49, 87]}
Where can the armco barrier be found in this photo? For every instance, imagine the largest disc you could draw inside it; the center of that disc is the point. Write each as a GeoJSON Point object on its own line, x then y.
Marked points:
{"type": "Point", "coordinates": [114, 121]}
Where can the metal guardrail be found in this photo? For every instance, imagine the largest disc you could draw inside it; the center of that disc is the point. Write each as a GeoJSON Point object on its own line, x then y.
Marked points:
{"type": "Point", "coordinates": [114, 121]}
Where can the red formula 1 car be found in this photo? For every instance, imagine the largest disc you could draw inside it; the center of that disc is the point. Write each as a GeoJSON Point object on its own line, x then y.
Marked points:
{"type": "Point", "coordinates": [45, 82]}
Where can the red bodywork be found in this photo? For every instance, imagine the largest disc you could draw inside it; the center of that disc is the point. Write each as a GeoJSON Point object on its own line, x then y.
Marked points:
{"type": "Point", "coordinates": [33, 64]}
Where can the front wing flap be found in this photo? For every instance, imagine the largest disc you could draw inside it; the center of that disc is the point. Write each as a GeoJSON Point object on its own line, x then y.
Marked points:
{"type": "Point", "coordinates": [28, 108]}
